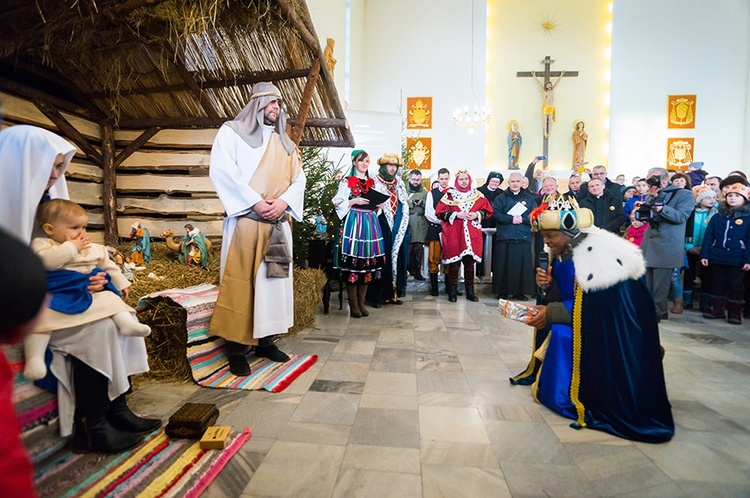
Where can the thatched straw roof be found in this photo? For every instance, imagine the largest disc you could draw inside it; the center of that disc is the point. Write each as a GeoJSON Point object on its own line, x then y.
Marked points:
{"type": "Point", "coordinates": [169, 63]}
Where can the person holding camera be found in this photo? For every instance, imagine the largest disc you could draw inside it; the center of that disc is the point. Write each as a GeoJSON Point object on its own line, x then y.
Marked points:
{"type": "Point", "coordinates": [667, 210]}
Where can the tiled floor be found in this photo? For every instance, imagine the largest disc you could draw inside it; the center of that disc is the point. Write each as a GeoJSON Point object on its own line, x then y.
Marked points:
{"type": "Point", "coordinates": [414, 400]}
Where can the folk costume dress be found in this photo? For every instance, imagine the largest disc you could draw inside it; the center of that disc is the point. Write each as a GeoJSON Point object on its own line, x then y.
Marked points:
{"type": "Point", "coordinates": [394, 220]}
{"type": "Point", "coordinates": [605, 369]}
{"type": "Point", "coordinates": [360, 252]}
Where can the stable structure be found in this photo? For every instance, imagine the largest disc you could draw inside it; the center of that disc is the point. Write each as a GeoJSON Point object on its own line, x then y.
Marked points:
{"type": "Point", "coordinates": [140, 87]}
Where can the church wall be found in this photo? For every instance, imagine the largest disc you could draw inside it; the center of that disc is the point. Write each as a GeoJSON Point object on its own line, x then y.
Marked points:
{"type": "Point", "coordinates": [414, 49]}
{"type": "Point", "coordinates": [516, 41]}
{"type": "Point", "coordinates": [329, 19]}
{"type": "Point", "coordinates": [681, 47]}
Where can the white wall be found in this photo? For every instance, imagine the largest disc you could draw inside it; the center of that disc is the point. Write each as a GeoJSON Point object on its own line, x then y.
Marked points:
{"type": "Point", "coordinates": [667, 47]}
{"type": "Point", "coordinates": [517, 42]}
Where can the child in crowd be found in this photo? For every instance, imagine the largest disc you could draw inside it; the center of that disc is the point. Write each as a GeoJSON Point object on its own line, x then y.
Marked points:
{"type": "Point", "coordinates": [70, 259]}
{"type": "Point", "coordinates": [641, 194]}
{"type": "Point", "coordinates": [695, 231]}
{"type": "Point", "coordinates": [726, 250]}
{"type": "Point", "coordinates": [634, 232]}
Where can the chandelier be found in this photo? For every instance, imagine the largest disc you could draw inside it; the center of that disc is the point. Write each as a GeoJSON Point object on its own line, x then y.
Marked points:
{"type": "Point", "coordinates": [471, 117]}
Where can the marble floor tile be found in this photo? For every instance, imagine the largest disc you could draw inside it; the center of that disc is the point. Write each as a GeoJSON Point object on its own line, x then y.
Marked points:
{"type": "Point", "coordinates": [297, 469]}
{"type": "Point", "coordinates": [460, 425]}
{"type": "Point", "coordinates": [441, 480]}
{"type": "Point", "coordinates": [327, 408]}
{"type": "Point", "coordinates": [442, 382]}
{"type": "Point", "coordinates": [526, 442]}
{"type": "Point", "coordinates": [390, 428]}
{"type": "Point", "coordinates": [458, 454]}
{"type": "Point", "coordinates": [381, 459]}
{"type": "Point", "coordinates": [391, 383]}
{"type": "Point", "coordinates": [355, 482]}
{"type": "Point", "coordinates": [389, 402]}
{"type": "Point", "coordinates": [316, 433]}
{"type": "Point", "coordinates": [343, 371]}
{"type": "Point", "coordinates": [533, 480]}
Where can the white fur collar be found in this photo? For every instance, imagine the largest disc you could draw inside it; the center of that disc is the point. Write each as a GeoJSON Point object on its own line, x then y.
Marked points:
{"type": "Point", "coordinates": [603, 259]}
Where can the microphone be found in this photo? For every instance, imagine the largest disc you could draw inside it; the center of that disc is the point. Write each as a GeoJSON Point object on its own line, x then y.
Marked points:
{"type": "Point", "coordinates": [543, 264]}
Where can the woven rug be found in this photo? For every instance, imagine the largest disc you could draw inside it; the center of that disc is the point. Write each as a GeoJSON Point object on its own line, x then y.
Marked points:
{"type": "Point", "coordinates": [158, 467]}
{"type": "Point", "coordinates": [36, 410]}
{"type": "Point", "coordinates": [206, 354]}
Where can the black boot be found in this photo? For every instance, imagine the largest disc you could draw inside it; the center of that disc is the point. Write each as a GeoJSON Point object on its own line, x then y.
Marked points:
{"type": "Point", "coordinates": [122, 418]}
{"type": "Point", "coordinates": [267, 349]}
{"type": "Point", "coordinates": [434, 284]}
{"type": "Point", "coordinates": [92, 430]}
{"type": "Point", "coordinates": [452, 294]}
{"type": "Point", "coordinates": [470, 293]}
{"type": "Point", "coordinates": [237, 357]}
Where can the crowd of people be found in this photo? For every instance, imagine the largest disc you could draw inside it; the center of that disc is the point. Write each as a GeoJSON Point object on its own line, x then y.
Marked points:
{"type": "Point", "coordinates": [693, 258]}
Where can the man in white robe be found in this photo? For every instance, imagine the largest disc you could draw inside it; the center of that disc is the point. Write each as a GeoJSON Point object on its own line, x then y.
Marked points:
{"type": "Point", "coordinates": [256, 170]}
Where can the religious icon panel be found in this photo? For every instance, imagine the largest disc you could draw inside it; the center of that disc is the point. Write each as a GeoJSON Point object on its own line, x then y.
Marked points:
{"type": "Point", "coordinates": [681, 111]}
{"type": "Point", "coordinates": [680, 153]}
{"type": "Point", "coordinates": [420, 152]}
{"type": "Point", "coordinates": [418, 113]}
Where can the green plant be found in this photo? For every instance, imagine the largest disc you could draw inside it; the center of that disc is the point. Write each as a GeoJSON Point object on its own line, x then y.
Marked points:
{"type": "Point", "coordinates": [323, 177]}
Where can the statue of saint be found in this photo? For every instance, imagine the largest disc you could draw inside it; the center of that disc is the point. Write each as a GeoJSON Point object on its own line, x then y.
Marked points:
{"type": "Point", "coordinates": [328, 55]}
{"type": "Point", "coordinates": [548, 108]}
{"type": "Point", "coordinates": [580, 139]}
{"type": "Point", "coordinates": [514, 144]}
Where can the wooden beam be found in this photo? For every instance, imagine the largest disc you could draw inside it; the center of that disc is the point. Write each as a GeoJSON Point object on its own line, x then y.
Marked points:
{"type": "Point", "coordinates": [170, 205]}
{"type": "Point", "coordinates": [306, 102]}
{"type": "Point", "coordinates": [200, 122]}
{"type": "Point", "coordinates": [136, 144]}
{"type": "Point", "coordinates": [297, 23]}
{"type": "Point", "coordinates": [327, 143]}
{"type": "Point", "coordinates": [69, 130]}
{"type": "Point", "coordinates": [165, 183]}
{"type": "Point", "coordinates": [31, 93]}
{"type": "Point", "coordinates": [109, 196]}
{"type": "Point", "coordinates": [250, 79]}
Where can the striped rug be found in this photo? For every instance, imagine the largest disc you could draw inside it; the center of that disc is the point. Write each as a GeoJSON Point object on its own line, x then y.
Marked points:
{"type": "Point", "coordinates": [158, 467]}
{"type": "Point", "coordinates": [206, 354]}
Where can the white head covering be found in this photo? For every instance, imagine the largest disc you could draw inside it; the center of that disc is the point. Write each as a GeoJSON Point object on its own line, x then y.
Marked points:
{"type": "Point", "coordinates": [27, 155]}
{"type": "Point", "coordinates": [249, 122]}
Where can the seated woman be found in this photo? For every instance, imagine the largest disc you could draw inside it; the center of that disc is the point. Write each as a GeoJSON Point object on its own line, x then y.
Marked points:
{"type": "Point", "coordinates": [91, 362]}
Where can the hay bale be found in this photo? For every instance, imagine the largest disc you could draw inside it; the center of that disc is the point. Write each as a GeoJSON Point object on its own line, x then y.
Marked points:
{"type": "Point", "coordinates": [308, 292]}
{"type": "Point", "coordinates": [167, 344]}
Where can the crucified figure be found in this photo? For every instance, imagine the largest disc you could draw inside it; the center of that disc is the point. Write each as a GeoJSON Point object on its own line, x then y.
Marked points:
{"type": "Point", "coordinates": [548, 108]}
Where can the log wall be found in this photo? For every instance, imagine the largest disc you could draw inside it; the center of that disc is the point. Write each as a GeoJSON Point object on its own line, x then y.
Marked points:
{"type": "Point", "coordinates": [163, 185]}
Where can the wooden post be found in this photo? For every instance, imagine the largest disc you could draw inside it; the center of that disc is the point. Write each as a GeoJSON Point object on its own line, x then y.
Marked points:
{"type": "Point", "coordinates": [304, 107]}
{"type": "Point", "coordinates": [109, 184]}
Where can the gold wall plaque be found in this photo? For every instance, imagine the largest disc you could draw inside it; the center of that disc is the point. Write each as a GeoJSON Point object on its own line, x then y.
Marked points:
{"type": "Point", "coordinates": [420, 150]}
{"type": "Point", "coordinates": [681, 111]}
{"type": "Point", "coordinates": [680, 152]}
{"type": "Point", "coordinates": [418, 113]}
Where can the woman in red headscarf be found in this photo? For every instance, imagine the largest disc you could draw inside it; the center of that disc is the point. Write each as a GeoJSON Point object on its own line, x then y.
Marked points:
{"type": "Point", "coordinates": [462, 210]}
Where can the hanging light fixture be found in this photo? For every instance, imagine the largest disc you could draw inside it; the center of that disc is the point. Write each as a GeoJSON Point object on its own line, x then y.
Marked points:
{"type": "Point", "coordinates": [471, 117]}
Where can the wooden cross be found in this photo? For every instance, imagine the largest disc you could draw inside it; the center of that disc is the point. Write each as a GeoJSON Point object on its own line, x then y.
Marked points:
{"type": "Point", "coordinates": [548, 74]}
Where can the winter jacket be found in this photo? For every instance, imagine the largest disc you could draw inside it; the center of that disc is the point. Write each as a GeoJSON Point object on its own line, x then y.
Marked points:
{"type": "Point", "coordinates": [727, 237]}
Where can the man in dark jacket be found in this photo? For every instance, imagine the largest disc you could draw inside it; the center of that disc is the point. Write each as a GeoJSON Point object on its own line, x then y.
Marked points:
{"type": "Point", "coordinates": [614, 189]}
{"type": "Point", "coordinates": [608, 212]}
{"type": "Point", "coordinates": [663, 242]}
{"type": "Point", "coordinates": [512, 261]}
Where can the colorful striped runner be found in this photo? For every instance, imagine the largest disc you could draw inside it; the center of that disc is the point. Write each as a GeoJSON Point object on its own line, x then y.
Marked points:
{"type": "Point", "coordinates": [159, 467]}
{"type": "Point", "coordinates": [206, 354]}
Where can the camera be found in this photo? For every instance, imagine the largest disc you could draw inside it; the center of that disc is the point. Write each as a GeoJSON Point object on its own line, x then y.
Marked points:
{"type": "Point", "coordinates": [645, 210]}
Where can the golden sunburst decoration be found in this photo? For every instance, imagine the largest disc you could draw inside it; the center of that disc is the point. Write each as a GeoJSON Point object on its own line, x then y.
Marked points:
{"type": "Point", "coordinates": [549, 24]}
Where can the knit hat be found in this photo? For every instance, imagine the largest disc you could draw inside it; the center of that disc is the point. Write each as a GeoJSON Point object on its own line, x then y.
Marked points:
{"type": "Point", "coordinates": [696, 165]}
{"type": "Point", "coordinates": [700, 192]}
{"type": "Point", "coordinates": [731, 180]}
{"type": "Point", "coordinates": [738, 188]}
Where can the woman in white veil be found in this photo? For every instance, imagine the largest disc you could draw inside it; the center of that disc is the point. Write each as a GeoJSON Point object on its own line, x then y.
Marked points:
{"type": "Point", "coordinates": [91, 363]}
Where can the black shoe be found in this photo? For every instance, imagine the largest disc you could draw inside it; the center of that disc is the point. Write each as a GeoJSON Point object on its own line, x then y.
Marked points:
{"type": "Point", "coordinates": [238, 365]}
{"type": "Point", "coordinates": [520, 297]}
{"type": "Point", "coordinates": [470, 294]}
{"type": "Point", "coordinates": [272, 353]}
{"type": "Point", "coordinates": [418, 276]}
{"type": "Point", "coordinates": [433, 284]}
{"type": "Point", "coordinates": [97, 435]}
{"type": "Point", "coordinates": [123, 419]}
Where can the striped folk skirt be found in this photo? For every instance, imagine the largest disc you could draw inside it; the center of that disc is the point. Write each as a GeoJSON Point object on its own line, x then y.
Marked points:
{"type": "Point", "coordinates": [360, 249]}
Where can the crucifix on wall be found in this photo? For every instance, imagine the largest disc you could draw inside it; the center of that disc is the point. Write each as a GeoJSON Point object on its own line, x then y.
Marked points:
{"type": "Point", "coordinates": [547, 87]}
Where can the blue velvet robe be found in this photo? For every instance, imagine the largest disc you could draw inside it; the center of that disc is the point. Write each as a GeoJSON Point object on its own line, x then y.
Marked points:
{"type": "Point", "coordinates": [615, 382]}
